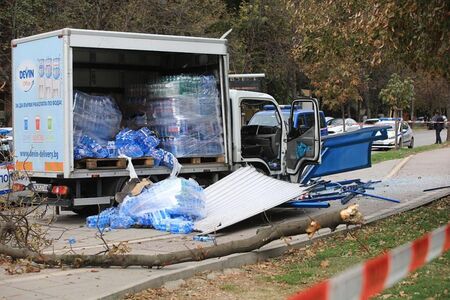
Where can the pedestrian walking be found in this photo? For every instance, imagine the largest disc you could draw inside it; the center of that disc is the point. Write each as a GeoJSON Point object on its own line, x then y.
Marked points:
{"type": "Point", "coordinates": [438, 126]}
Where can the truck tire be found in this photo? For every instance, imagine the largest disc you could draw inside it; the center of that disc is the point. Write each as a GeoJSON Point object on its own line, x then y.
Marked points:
{"type": "Point", "coordinates": [109, 188]}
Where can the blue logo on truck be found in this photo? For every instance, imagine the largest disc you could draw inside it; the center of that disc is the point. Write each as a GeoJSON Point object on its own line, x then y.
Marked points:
{"type": "Point", "coordinates": [26, 72]}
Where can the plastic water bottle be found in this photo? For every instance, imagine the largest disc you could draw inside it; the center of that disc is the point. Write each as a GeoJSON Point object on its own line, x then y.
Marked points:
{"type": "Point", "coordinates": [179, 225]}
{"type": "Point", "coordinates": [112, 150]}
{"type": "Point", "coordinates": [204, 238]}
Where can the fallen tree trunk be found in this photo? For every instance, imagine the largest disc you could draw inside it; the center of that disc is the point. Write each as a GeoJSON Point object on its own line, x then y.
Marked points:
{"type": "Point", "coordinates": [6, 227]}
{"type": "Point", "coordinates": [263, 236]}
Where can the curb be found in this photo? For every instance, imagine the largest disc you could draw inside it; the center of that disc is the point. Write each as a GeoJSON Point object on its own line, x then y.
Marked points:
{"type": "Point", "coordinates": [398, 167]}
{"type": "Point", "coordinates": [276, 248]}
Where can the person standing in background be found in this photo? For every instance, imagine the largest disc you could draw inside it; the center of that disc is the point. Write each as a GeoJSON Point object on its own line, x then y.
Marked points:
{"type": "Point", "coordinates": [438, 126]}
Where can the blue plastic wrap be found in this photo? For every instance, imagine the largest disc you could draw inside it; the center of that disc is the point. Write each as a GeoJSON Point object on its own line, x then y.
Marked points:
{"type": "Point", "coordinates": [177, 196]}
{"type": "Point", "coordinates": [170, 205]}
{"type": "Point", "coordinates": [103, 219]}
{"type": "Point", "coordinates": [92, 146]}
{"type": "Point", "coordinates": [118, 221]}
{"type": "Point", "coordinates": [127, 145]}
{"type": "Point", "coordinates": [81, 151]}
{"type": "Point", "coordinates": [146, 140]}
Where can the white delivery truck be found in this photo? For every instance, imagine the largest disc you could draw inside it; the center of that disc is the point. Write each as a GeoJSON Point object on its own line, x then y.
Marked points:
{"type": "Point", "coordinates": [49, 69]}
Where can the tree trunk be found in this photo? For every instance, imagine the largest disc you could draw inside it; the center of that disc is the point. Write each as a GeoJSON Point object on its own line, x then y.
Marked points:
{"type": "Point", "coordinates": [343, 117]}
{"type": "Point", "coordinates": [263, 236]}
{"type": "Point", "coordinates": [396, 112]}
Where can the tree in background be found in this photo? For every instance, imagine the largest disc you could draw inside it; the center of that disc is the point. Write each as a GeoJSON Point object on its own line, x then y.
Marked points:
{"type": "Point", "coordinates": [346, 48]}
{"type": "Point", "coordinates": [415, 31]}
{"type": "Point", "coordinates": [398, 95]}
{"type": "Point", "coordinates": [432, 92]}
{"type": "Point", "coordinates": [261, 42]}
{"type": "Point", "coordinates": [332, 53]}
{"type": "Point", "coordinates": [20, 18]}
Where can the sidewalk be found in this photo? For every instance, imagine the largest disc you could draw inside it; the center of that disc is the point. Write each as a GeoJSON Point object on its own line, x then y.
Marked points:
{"type": "Point", "coordinates": [424, 170]}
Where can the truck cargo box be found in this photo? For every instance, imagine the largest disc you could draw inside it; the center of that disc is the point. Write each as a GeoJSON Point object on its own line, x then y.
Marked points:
{"type": "Point", "coordinates": [153, 79]}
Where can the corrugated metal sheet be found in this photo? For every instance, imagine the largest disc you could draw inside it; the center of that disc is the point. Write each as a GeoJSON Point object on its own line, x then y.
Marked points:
{"type": "Point", "coordinates": [241, 195]}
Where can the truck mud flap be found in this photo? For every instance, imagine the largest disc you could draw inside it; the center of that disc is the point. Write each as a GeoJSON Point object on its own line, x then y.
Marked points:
{"type": "Point", "coordinates": [345, 152]}
{"type": "Point", "coordinates": [241, 195]}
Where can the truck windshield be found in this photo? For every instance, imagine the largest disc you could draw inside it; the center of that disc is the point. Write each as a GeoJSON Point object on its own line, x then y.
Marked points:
{"type": "Point", "coordinates": [266, 118]}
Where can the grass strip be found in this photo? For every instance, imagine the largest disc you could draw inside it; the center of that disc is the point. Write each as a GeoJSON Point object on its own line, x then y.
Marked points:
{"type": "Point", "coordinates": [404, 152]}
{"type": "Point", "coordinates": [332, 256]}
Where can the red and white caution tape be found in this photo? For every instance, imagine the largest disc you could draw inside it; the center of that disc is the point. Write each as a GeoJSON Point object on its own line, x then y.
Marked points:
{"type": "Point", "coordinates": [381, 272]}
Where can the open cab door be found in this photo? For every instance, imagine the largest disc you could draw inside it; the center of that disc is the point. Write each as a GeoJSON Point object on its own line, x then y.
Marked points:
{"type": "Point", "coordinates": [303, 143]}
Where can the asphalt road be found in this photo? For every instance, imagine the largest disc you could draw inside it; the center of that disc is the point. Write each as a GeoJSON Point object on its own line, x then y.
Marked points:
{"type": "Point", "coordinates": [424, 137]}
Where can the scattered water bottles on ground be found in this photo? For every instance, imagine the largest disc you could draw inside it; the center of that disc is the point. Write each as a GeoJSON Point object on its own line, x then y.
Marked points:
{"type": "Point", "coordinates": [170, 205]}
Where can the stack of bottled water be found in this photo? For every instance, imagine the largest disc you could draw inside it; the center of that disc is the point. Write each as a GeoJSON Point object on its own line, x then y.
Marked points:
{"type": "Point", "coordinates": [90, 146]}
{"type": "Point", "coordinates": [127, 145]}
{"type": "Point", "coordinates": [170, 205]}
{"type": "Point", "coordinates": [119, 221]}
{"type": "Point", "coordinates": [98, 117]}
{"type": "Point", "coordinates": [185, 110]}
{"type": "Point", "coordinates": [103, 219]}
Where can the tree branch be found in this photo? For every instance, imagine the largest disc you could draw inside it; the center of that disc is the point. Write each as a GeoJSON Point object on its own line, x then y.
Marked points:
{"type": "Point", "coordinates": [263, 236]}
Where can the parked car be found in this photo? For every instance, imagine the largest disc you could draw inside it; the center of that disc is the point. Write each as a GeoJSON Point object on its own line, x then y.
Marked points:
{"type": "Point", "coordinates": [328, 119]}
{"type": "Point", "coordinates": [336, 125]}
{"type": "Point", "coordinates": [405, 135]}
{"type": "Point", "coordinates": [370, 122]}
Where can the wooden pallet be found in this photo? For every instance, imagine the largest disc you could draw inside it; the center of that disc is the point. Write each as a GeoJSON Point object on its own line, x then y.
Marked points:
{"type": "Point", "coordinates": [143, 162]}
{"type": "Point", "coordinates": [201, 160]}
{"type": "Point", "coordinates": [101, 163]}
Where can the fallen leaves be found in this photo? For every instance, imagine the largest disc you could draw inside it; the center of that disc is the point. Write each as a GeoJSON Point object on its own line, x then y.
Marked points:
{"type": "Point", "coordinates": [119, 249]}
{"type": "Point", "coordinates": [21, 266]}
{"type": "Point", "coordinates": [324, 263]}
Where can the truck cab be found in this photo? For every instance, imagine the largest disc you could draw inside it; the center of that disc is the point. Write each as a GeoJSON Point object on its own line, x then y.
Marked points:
{"type": "Point", "coordinates": [275, 139]}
